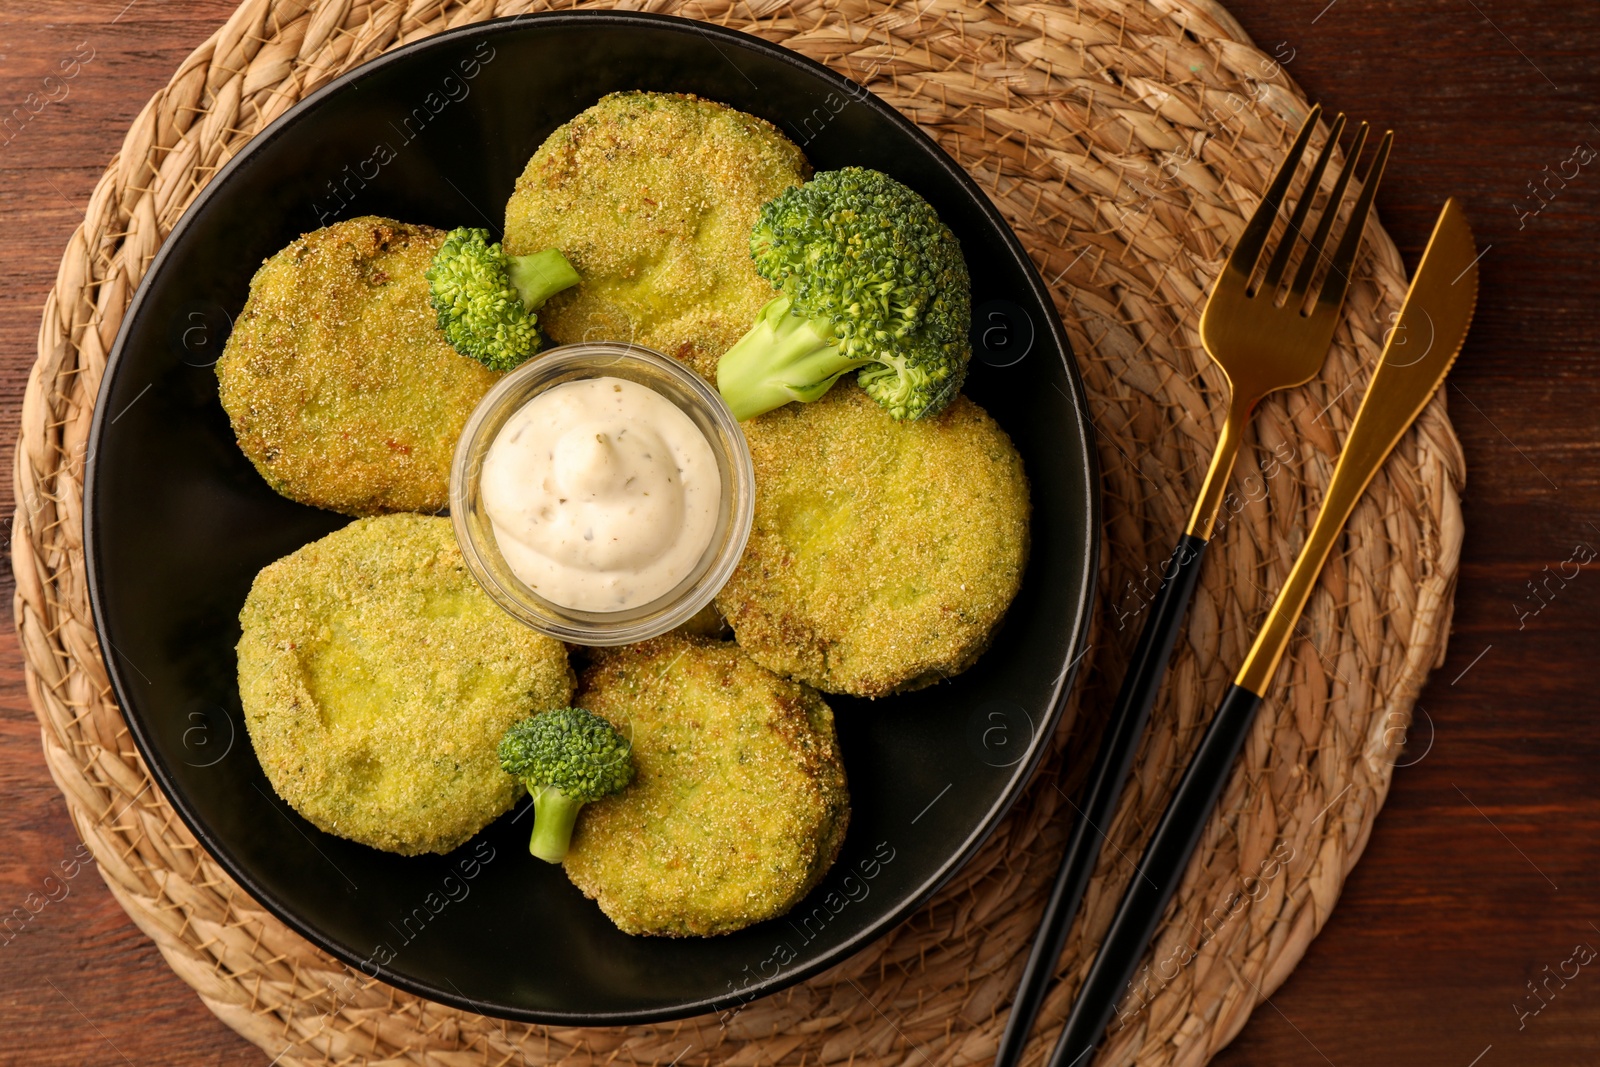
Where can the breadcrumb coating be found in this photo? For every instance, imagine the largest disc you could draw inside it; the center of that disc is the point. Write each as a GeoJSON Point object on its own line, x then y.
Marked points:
{"type": "Point", "coordinates": [883, 553]}
{"type": "Point", "coordinates": [739, 805]}
{"type": "Point", "coordinates": [377, 679]}
{"type": "Point", "coordinates": [652, 197]}
{"type": "Point", "coordinates": [341, 388]}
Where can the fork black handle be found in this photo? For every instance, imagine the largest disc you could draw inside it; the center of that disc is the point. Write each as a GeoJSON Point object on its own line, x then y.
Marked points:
{"type": "Point", "coordinates": [1160, 870]}
{"type": "Point", "coordinates": [1126, 725]}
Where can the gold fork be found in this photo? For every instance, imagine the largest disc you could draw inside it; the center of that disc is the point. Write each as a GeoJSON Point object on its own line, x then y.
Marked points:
{"type": "Point", "coordinates": [1260, 338]}
{"type": "Point", "coordinates": [1264, 336]}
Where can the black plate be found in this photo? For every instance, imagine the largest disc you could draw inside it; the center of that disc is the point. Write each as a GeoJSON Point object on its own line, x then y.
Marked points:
{"type": "Point", "coordinates": [177, 523]}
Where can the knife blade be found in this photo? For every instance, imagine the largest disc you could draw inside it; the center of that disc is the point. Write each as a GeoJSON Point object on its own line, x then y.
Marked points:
{"type": "Point", "coordinates": [1420, 350]}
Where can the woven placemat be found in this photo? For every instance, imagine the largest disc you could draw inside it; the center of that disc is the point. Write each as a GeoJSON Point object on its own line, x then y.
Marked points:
{"type": "Point", "coordinates": [1126, 142]}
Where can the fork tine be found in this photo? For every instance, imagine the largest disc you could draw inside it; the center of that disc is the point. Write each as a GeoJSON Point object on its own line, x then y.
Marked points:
{"type": "Point", "coordinates": [1344, 259]}
{"type": "Point", "coordinates": [1330, 213]}
{"type": "Point", "coordinates": [1248, 250]}
{"type": "Point", "coordinates": [1280, 259]}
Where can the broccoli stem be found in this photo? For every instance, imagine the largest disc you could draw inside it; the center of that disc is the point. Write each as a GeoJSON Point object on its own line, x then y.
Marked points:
{"type": "Point", "coordinates": [540, 276]}
{"type": "Point", "coordinates": [554, 814]}
{"type": "Point", "coordinates": [783, 358]}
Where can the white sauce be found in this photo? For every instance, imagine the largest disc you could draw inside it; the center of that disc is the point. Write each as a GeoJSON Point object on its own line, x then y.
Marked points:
{"type": "Point", "coordinates": [602, 494]}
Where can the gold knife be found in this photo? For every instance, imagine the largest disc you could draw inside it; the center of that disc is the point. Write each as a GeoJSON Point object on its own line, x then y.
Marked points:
{"type": "Point", "coordinates": [1420, 350]}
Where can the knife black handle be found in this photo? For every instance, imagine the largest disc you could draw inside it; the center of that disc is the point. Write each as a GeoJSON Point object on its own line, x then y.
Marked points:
{"type": "Point", "coordinates": [1160, 870]}
{"type": "Point", "coordinates": [1163, 620]}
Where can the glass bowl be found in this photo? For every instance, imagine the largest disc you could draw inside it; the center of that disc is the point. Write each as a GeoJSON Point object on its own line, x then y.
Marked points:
{"type": "Point", "coordinates": [691, 395]}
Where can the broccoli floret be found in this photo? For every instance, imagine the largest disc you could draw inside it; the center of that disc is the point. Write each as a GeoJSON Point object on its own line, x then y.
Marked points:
{"type": "Point", "coordinates": [870, 279]}
{"type": "Point", "coordinates": [486, 299]}
{"type": "Point", "coordinates": [566, 758]}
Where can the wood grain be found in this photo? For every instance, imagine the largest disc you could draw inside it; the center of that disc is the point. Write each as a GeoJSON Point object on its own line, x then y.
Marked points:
{"type": "Point", "coordinates": [1483, 867]}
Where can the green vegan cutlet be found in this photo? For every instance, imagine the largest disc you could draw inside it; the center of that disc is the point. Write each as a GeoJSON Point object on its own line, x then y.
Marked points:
{"type": "Point", "coordinates": [883, 553]}
{"type": "Point", "coordinates": [341, 388]}
{"type": "Point", "coordinates": [376, 679]}
{"type": "Point", "coordinates": [652, 196]}
{"type": "Point", "coordinates": [738, 806]}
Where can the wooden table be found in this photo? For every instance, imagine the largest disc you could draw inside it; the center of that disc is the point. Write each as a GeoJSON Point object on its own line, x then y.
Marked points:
{"type": "Point", "coordinates": [1484, 867]}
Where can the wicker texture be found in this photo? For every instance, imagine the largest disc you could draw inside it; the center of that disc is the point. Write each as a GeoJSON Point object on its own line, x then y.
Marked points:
{"type": "Point", "coordinates": [1126, 142]}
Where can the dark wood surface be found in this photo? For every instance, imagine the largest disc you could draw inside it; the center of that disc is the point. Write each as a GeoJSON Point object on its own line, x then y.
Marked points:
{"type": "Point", "coordinates": [1484, 867]}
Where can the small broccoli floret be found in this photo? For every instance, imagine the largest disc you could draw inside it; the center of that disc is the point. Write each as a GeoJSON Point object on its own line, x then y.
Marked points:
{"type": "Point", "coordinates": [486, 299]}
{"type": "Point", "coordinates": [566, 758]}
{"type": "Point", "coordinates": [870, 279]}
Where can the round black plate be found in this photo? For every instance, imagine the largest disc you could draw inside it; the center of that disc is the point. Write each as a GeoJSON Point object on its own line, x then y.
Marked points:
{"type": "Point", "coordinates": [177, 523]}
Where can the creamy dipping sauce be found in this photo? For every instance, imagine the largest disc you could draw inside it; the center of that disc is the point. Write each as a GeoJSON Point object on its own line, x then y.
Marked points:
{"type": "Point", "coordinates": [602, 494]}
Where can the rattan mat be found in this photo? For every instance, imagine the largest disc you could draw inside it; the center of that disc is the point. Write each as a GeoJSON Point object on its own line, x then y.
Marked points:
{"type": "Point", "coordinates": [1126, 142]}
